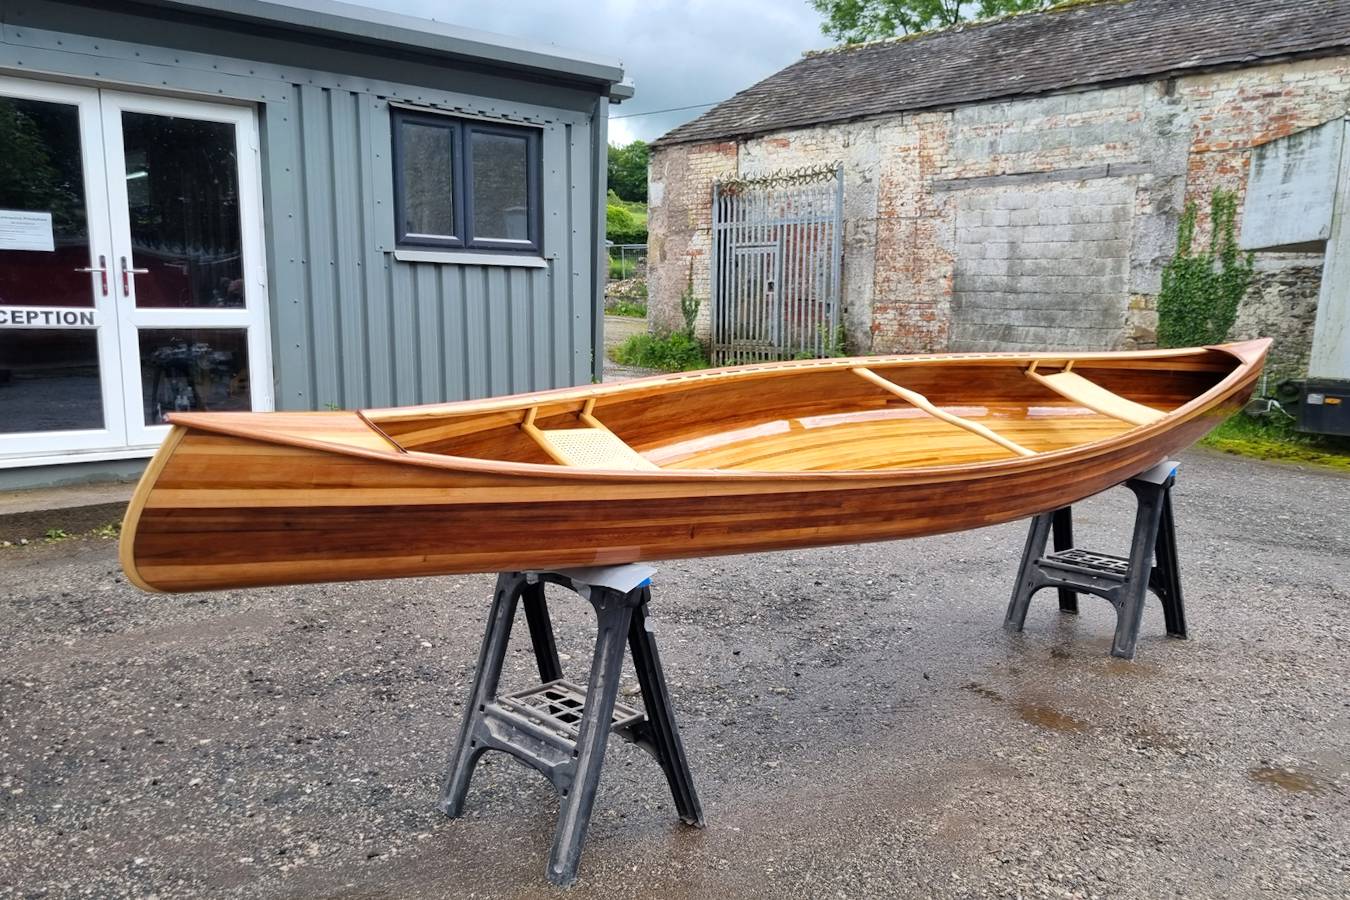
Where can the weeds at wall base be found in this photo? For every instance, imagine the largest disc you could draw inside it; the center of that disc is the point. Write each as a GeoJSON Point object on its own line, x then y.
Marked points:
{"type": "Point", "coordinates": [1271, 439]}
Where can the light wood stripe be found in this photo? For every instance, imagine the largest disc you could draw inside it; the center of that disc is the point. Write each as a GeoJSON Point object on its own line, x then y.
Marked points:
{"type": "Point", "coordinates": [922, 403]}
{"type": "Point", "coordinates": [1075, 387]}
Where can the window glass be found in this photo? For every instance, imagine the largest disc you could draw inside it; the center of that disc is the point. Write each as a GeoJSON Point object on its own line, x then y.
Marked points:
{"type": "Point", "coordinates": [183, 200]}
{"type": "Point", "coordinates": [49, 380]}
{"type": "Point", "coordinates": [428, 187]}
{"type": "Point", "coordinates": [465, 183]}
{"type": "Point", "coordinates": [501, 193]}
{"type": "Point", "coordinates": [42, 171]}
{"type": "Point", "coordinates": [184, 370]}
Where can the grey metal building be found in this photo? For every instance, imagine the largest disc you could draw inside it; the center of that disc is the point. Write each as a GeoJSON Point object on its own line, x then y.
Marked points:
{"type": "Point", "coordinates": [235, 204]}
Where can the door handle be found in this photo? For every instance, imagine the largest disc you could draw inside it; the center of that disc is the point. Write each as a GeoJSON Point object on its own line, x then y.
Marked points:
{"type": "Point", "coordinates": [101, 269]}
{"type": "Point", "coordinates": [127, 272]}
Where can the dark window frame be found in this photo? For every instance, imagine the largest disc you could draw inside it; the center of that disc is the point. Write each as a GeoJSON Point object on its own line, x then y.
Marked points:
{"type": "Point", "coordinates": [461, 149]}
{"type": "Point", "coordinates": [401, 238]}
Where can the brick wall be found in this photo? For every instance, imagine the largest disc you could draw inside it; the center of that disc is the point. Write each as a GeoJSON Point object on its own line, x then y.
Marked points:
{"type": "Point", "coordinates": [679, 226]}
{"type": "Point", "coordinates": [1042, 222]}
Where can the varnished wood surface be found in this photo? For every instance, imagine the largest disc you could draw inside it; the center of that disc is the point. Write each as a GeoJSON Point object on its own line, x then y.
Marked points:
{"type": "Point", "coordinates": [811, 456]}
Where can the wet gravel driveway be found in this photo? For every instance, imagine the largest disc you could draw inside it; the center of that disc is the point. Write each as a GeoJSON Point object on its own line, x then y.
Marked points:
{"type": "Point", "coordinates": [857, 722]}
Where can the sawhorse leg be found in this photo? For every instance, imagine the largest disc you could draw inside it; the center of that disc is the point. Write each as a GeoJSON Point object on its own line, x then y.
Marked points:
{"type": "Point", "coordinates": [491, 655]}
{"type": "Point", "coordinates": [577, 800]}
{"type": "Point", "coordinates": [1151, 565]}
{"type": "Point", "coordinates": [1062, 528]}
{"type": "Point", "coordinates": [1165, 579]}
{"type": "Point", "coordinates": [541, 631]}
{"type": "Point", "coordinates": [1027, 575]}
{"type": "Point", "coordinates": [1134, 591]}
{"type": "Point", "coordinates": [559, 728]}
{"type": "Point", "coordinates": [660, 730]}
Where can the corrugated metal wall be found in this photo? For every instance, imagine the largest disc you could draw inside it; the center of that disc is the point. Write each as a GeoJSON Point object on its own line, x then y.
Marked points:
{"type": "Point", "coordinates": [354, 327]}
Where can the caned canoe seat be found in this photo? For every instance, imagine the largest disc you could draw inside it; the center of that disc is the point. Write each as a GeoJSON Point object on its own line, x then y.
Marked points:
{"type": "Point", "coordinates": [591, 448]}
{"type": "Point", "coordinates": [594, 447]}
{"type": "Point", "coordinates": [1072, 386]}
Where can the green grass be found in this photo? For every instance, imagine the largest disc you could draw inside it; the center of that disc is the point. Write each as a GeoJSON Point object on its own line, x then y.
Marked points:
{"type": "Point", "coordinates": [619, 269]}
{"type": "Point", "coordinates": [633, 309]}
{"type": "Point", "coordinates": [1275, 438]}
{"type": "Point", "coordinates": [674, 353]}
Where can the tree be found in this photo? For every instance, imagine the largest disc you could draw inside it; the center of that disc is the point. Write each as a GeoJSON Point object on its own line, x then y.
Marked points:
{"type": "Point", "coordinates": [622, 226]}
{"type": "Point", "coordinates": [853, 21]}
{"type": "Point", "coordinates": [628, 170]}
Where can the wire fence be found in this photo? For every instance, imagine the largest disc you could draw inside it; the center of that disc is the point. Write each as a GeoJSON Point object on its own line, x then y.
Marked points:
{"type": "Point", "coordinates": [627, 261]}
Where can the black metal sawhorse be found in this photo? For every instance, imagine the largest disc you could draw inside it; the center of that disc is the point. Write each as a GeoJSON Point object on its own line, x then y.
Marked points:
{"type": "Point", "coordinates": [1124, 581]}
{"type": "Point", "coordinates": [559, 727]}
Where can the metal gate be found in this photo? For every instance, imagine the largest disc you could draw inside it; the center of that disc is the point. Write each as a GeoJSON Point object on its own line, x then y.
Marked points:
{"type": "Point", "coordinates": [776, 259]}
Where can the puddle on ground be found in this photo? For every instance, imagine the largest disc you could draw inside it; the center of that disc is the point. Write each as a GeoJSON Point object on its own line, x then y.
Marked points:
{"type": "Point", "coordinates": [1295, 779]}
{"type": "Point", "coordinates": [1038, 714]}
{"type": "Point", "coordinates": [1048, 717]}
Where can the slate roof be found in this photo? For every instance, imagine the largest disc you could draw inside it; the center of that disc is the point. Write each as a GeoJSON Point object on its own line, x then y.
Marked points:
{"type": "Point", "coordinates": [1112, 41]}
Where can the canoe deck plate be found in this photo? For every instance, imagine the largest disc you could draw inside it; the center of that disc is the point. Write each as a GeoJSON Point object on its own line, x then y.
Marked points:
{"type": "Point", "coordinates": [1123, 581]}
{"type": "Point", "coordinates": [562, 728]}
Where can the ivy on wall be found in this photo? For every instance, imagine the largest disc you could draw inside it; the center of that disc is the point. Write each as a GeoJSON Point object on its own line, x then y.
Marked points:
{"type": "Point", "coordinates": [1201, 290]}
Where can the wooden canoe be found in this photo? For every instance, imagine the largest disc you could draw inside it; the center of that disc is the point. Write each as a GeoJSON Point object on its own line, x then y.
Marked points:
{"type": "Point", "coordinates": [733, 460]}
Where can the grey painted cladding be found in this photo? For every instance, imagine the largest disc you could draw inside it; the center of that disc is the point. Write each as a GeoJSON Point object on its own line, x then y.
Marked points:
{"type": "Point", "coordinates": [351, 325]}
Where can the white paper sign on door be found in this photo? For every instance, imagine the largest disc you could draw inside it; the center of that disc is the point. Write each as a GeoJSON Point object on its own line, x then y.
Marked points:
{"type": "Point", "coordinates": [21, 230]}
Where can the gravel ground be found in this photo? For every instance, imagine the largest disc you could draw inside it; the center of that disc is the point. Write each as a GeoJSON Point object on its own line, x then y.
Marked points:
{"type": "Point", "coordinates": [617, 330]}
{"type": "Point", "coordinates": [857, 722]}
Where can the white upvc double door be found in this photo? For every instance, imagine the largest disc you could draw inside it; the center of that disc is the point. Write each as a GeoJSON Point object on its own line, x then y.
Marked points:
{"type": "Point", "coordinates": [132, 275]}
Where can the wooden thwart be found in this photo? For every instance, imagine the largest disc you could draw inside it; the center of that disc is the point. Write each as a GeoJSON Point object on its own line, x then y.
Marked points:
{"type": "Point", "coordinates": [1075, 387]}
{"type": "Point", "coordinates": [924, 404]}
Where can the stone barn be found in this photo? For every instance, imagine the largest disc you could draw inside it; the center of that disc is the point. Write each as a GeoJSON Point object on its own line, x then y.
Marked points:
{"type": "Point", "coordinates": [1017, 184]}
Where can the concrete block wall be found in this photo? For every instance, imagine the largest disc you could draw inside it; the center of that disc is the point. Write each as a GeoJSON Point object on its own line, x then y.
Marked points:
{"type": "Point", "coordinates": [1047, 267]}
{"type": "Point", "coordinates": [1038, 222]}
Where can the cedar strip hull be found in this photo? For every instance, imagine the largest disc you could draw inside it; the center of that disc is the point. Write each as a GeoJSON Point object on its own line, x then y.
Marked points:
{"type": "Point", "coordinates": [220, 510]}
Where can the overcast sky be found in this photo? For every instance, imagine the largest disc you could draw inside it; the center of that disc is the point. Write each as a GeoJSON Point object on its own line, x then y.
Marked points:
{"type": "Point", "coordinates": [676, 52]}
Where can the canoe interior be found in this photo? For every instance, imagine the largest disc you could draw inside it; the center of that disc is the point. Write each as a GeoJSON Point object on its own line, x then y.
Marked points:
{"type": "Point", "coordinates": [823, 418]}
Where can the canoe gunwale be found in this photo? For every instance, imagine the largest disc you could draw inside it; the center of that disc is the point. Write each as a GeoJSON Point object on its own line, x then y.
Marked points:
{"type": "Point", "coordinates": [1248, 355]}
{"type": "Point", "coordinates": [1245, 352]}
